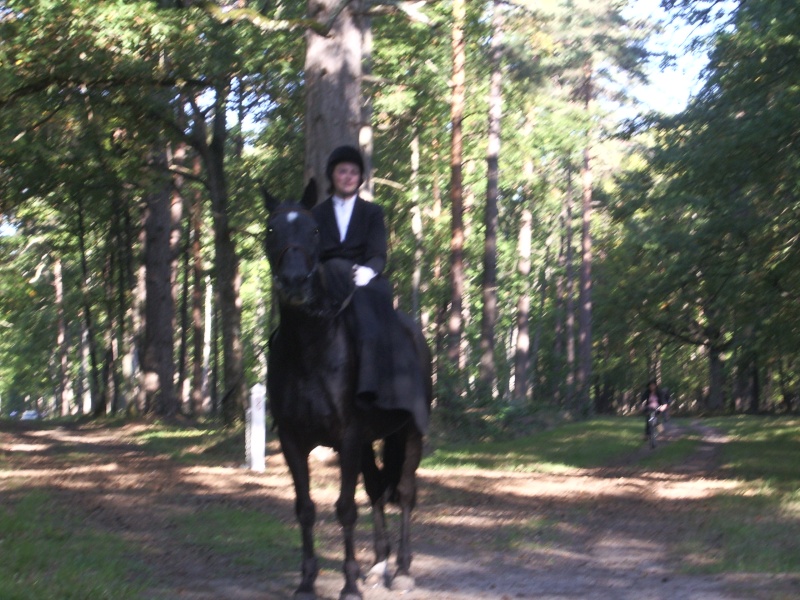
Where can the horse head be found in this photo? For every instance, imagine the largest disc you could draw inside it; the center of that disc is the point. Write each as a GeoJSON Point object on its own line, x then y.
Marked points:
{"type": "Point", "coordinates": [292, 246]}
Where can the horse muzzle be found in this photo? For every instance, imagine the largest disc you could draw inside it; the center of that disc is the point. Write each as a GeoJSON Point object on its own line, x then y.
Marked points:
{"type": "Point", "coordinates": [295, 289]}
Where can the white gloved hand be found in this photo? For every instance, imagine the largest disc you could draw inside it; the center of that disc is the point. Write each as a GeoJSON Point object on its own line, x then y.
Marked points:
{"type": "Point", "coordinates": [362, 275]}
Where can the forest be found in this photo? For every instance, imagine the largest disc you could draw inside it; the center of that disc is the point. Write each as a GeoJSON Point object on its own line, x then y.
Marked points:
{"type": "Point", "coordinates": [559, 243]}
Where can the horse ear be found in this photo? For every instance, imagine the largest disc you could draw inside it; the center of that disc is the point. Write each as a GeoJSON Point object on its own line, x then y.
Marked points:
{"type": "Point", "coordinates": [309, 194]}
{"type": "Point", "coordinates": [270, 201]}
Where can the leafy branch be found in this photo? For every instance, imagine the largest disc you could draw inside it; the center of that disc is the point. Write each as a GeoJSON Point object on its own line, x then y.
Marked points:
{"type": "Point", "coordinates": [255, 18]}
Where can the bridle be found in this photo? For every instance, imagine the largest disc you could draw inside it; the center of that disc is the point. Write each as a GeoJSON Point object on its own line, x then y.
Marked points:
{"type": "Point", "coordinates": [285, 209]}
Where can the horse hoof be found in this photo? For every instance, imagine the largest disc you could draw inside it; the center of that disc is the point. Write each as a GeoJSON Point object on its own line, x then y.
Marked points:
{"type": "Point", "coordinates": [403, 583]}
{"type": "Point", "coordinates": [378, 575]}
{"type": "Point", "coordinates": [373, 580]}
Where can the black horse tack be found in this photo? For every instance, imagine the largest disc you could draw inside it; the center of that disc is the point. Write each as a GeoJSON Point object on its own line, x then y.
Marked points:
{"type": "Point", "coordinates": [311, 383]}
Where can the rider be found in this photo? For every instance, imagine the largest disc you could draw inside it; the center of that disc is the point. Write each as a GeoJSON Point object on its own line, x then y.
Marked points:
{"type": "Point", "coordinates": [353, 230]}
{"type": "Point", "coordinates": [653, 398]}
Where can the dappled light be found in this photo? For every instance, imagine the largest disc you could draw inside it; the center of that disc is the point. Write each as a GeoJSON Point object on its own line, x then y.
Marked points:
{"type": "Point", "coordinates": [610, 531]}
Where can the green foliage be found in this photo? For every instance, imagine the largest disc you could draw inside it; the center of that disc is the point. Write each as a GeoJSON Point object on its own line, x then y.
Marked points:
{"type": "Point", "coordinates": [703, 250]}
{"type": "Point", "coordinates": [694, 249]}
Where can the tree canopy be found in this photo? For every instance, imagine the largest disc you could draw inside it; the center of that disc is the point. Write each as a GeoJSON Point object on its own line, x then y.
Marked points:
{"type": "Point", "coordinates": [136, 136]}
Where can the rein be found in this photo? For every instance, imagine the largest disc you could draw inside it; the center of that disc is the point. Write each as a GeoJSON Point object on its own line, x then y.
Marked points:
{"type": "Point", "coordinates": [345, 303]}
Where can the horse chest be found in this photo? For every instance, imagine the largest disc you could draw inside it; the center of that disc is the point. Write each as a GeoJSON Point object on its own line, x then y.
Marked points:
{"type": "Point", "coordinates": [309, 384]}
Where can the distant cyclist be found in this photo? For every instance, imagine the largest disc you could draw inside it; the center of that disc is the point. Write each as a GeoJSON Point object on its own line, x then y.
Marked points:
{"type": "Point", "coordinates": [653, 398]}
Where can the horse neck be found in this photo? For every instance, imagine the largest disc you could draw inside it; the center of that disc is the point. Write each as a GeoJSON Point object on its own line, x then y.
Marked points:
{"type": "Point", "coordinates": [305, 318]}
{"type": "Point", "coordinates": [315, 316]}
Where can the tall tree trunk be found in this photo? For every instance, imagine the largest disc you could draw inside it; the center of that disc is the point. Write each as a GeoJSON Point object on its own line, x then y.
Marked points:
{"type": "Point", "coordinates": [716, 378]}
{"type": "Point", "coordinates": [138, 311]}
{"type": "Point", "coordinates": [226, 268]}
{"type": "Point", "coordinates": [488, 369]}
{"type": "Point", "coordinates": [522, 354]}
{"type": "Point", "coordinates": [200, 326]}
{"type": "Point", "coordinates": [85, 401]}
{"type": "Point", "coordinates": [98, 407]}
{"type": "Point", "coordinates": [416, 227]}
{"type": "Point", "coordinates": [333, 86]}
{"type": "Point", "coordinates": [158, 367]}
{"type": "Point", "coordinates": [65, 395]}
{"type": "Point", "coordinates": [111, 379]}
{"type": "Point", "coordinates": [180, 242]}
{"type": "Point", "coordinates": [184, 329]}
{"type": "Point", "coordinates": [455, 321]}
{"type": "Point", "coordinates": [585, 296]}
{"type": "Point", "coordinates": [365, 133]}
{"type": "Point", "coordinates": [127, 308]}
{"type": "Point", "coordinates": [537, 334]}
{"type": "Point", "coordinates": [569, 296]}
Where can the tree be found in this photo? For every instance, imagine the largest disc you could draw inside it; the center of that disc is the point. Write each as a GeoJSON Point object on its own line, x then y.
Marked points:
{"type": "Point", "coordinates": [720, 178]}
{"type": "Point", "coordinates": [332, 83]}
{"type": "Point", "coordinates": [457, 101]}
{"type": "Point", "coordinates": [488, 371]}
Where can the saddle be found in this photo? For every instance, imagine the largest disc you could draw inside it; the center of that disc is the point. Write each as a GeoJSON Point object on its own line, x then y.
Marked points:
{"type": "Point", "coordinates": [395, 357]}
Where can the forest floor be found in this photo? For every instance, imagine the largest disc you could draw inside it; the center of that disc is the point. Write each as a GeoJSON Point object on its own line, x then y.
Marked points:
{"type": "Point", "coordinates": [613, 533]}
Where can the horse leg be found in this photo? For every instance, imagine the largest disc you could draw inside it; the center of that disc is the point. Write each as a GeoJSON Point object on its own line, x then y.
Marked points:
{"type": "Point", "coordinates": [376, 488]}
{"type": "Point", "coordinates": [347, 512]}
{"type": "Point", "coordinates": [407, 499]}
{"type": "Point", "coordinates": [306, 515]}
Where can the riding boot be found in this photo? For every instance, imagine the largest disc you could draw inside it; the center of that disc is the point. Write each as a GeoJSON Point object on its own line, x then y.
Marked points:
{"type": "Point", "coordinates": [367, 389]}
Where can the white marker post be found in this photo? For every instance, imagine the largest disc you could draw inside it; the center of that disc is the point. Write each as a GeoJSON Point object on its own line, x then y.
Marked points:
{"type": "Point", "coordinates": [256, 429]}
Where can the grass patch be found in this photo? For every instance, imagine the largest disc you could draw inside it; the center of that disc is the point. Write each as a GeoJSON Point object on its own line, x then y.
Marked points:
{"type": "Point", "coordinates": [196, 444]}
{"type": "Point", "coordinates": [743, 534]}
{"type": "Point", "coordinates": [250, 539]}
{"type": "Point", "coordinates": [672, 453]}
{"type": "Point", "coordinates": [49, 554]}
{"type": "Point", "coordinates": [756, 529]}
{"type": "Point", "coordinates": [586, 444]}
{"type": "Point", "coordinates": [762, 450]}
{"type": "Point", "coordinates": [535, 534]}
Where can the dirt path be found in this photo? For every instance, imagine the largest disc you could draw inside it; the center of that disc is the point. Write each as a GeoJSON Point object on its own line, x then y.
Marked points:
{"type": "Point", "coordinates": [603, 534]}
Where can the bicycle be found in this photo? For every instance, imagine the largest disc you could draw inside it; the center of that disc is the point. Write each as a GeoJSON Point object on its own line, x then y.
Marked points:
{"type": "Point", "coordinates": [652, 426]}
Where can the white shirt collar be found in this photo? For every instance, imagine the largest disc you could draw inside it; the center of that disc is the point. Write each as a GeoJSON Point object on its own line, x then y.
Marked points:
{"type": "Point", "coordinates": [338, 201]}
{"type": "Point", "coordinates": [343, 210]}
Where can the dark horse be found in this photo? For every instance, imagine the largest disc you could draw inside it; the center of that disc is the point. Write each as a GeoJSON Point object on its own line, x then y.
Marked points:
{"type": "Point", "coordinates": [311, 384]}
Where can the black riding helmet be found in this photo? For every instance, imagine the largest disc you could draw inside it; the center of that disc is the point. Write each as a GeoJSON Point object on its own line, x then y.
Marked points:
{"type": "Point", "coordinates": [348, 154]}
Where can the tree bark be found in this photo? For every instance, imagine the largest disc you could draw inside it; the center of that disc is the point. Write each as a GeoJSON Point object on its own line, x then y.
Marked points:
{"type": "Point", "coordinates": [522, 353]}
{"type": "Point", "coordinates": [333, 87]}
{"type": "Point", "coordinates": [416, 227]}
{"type": "Point", "coordinates": [158, 367]}
{"type": "Point", "coordinates": [226, 267]}
{"type": "Point", "coordinates": [488, 370]}
{"type": "Point", "coordinates": [65, 395]}
{"type": "Point", "coordinates": [455, 321]}
{"type": "Point", "coordinates": [200, 326]}
{"type": "Point", "coordinates": [98, 408]}
{"type": "Point", "coordinates": [716, 378]}
{"type": "Point", "coordinates": [569, 297]}
{"type": "Point", "coordinates": [584, 376]}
